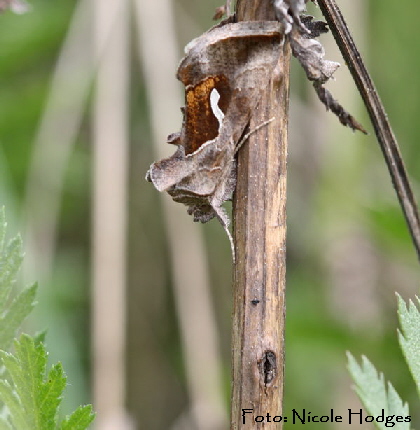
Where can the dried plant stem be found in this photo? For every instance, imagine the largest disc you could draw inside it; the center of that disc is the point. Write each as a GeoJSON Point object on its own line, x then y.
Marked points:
{"type": "Point", "coordinates": [109, 218]}
{"type": "Point", "coordinates": [60, 122]}
{"type": "Point", "coordinates": [260, 240]}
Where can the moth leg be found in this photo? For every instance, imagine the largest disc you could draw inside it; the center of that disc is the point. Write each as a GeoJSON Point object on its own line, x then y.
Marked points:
{"type": "Point", "coordinates": [224, 220]}
{"type": "Point", "coordinates": [246, 137]}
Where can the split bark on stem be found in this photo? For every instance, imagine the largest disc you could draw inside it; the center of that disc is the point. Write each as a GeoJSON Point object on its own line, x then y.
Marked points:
{"type": "Point", "coordinates": [260, 241]}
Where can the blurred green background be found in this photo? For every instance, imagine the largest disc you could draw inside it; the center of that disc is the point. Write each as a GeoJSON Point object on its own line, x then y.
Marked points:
{"type": "Point", "coordinates": [348, 246]}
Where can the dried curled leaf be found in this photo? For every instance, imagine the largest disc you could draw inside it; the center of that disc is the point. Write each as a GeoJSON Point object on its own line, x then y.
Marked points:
{"type": "Point", "coordinates": [316, 28]}
{"type": "Point", "coordinates": [335, 107]}
{"type": "Point", "coordinates": [310, 53]}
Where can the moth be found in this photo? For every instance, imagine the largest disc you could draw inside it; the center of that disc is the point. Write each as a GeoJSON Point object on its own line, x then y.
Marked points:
{"type": "Point", "coordinates": [221, 92]}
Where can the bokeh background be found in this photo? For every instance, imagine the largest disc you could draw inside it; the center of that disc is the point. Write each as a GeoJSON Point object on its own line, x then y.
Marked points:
{"type": "Point", "coordinates": [135, 297]}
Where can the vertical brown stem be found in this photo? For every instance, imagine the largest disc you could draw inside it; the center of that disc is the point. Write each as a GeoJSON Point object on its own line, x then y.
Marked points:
{"type": "Point", "coordinates": [260, 241]}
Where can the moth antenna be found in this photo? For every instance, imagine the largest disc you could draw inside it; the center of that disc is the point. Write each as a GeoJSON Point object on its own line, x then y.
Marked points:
{"type": "Point", "coordinates": [246, 137]}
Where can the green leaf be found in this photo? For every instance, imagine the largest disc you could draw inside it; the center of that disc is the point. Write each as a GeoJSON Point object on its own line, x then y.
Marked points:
{"type": "Point", "coordinates": [409, 338]}
{"type": "Point", "coordinates": [12, 402]}
{"type": "Point", "coordinates": [31, 396]}
{"type": "Point", "coordinates": [79, 419]}
{"type": "Point", "coordinates": [51, 394]}
{"type": "Point", "coordinates": [10, 261]}
{"type": "Point", "coordinates": [40, 337]}
{"type": "Point", "coordinates": [26, 369]}
{"type": "Point", "coordinates": [13, 318]}
{"type": "Point", "coordinates": [34, 397]}
{"type": "Point", "coordinates": [12, 312]}
{"type": "Point", "coordinates": [370, 387]}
